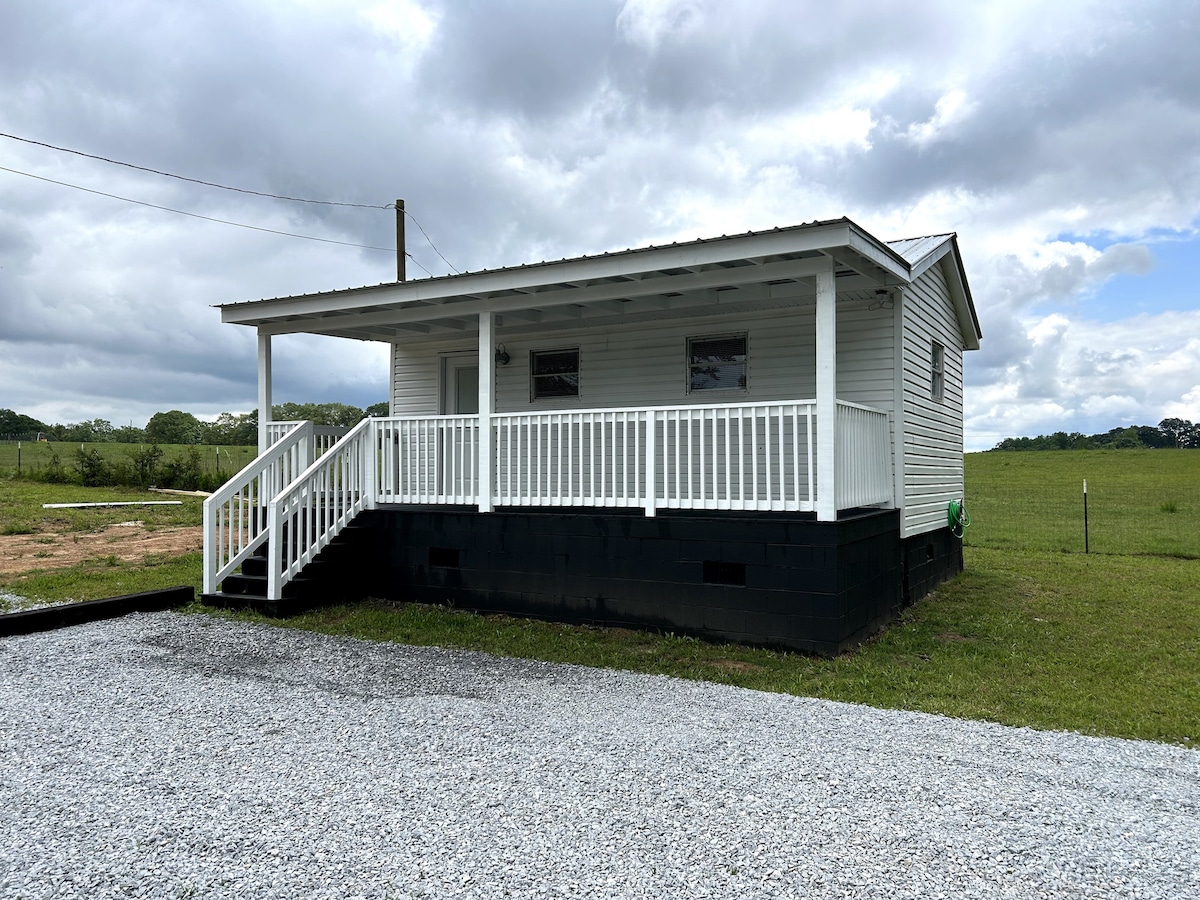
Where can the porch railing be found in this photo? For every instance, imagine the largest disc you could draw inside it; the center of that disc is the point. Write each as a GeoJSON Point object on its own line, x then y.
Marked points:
{"type": "Point", "coordinates": [428, 460]}
{"type": "Point", "coordinates": [306, 515]}
{"type": "Point", "coordinates": [235, 517]}
{"type": "Point", "coordinates": [323, 436]}
{"type": "Point", "coordinates": [750, 456]}
{"type": "Point", "coordinates": [864, 456]}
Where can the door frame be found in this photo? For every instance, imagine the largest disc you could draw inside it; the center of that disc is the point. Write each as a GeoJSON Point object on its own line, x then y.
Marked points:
{"type": "Point", "coordinates": [448, 365]}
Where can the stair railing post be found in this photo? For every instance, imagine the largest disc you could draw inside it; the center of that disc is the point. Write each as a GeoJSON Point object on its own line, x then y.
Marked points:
{"type": "Point", "coordinates": [370, 465]}
{"type": "Point", "coordinates": [210, 548]}
{"type": "Point", "coordinates": [274, 551]}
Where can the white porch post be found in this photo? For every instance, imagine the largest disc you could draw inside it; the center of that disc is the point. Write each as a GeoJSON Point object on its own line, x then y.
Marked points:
{"type": "Point", "coordinates": [487, 405]}
{"type": "Point", "coordinates": [264, 389]}
{"type": "Point", "coordinates": [826, 395]}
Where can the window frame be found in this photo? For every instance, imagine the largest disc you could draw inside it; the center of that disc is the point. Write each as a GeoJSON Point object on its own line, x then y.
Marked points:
{"type": "Point", "coordinates": [533, 378]}
{"type": "Point", "coordinates": [744, 388]}
{"type": "Point", "coordinates": [937, 372]}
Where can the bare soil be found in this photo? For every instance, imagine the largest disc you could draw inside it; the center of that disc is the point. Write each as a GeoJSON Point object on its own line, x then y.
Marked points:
{"type": "Point", "coordinates": [127, 541]}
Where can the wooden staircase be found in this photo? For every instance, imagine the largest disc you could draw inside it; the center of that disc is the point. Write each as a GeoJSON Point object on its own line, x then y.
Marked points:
{"type": "Point", "coordinates": [344, 571]}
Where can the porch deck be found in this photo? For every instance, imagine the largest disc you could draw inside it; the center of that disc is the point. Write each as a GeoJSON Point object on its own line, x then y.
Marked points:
{"type": "Point", "coordinates": [759, 457]}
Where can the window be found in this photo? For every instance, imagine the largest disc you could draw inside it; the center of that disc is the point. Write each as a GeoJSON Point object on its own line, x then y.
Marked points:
{"type": "Point", "coordinates": [717, 363]}
{"type": "Point", "coordinates": [554, 373]}
{"type": "Point", "coordinates": [937, 385]}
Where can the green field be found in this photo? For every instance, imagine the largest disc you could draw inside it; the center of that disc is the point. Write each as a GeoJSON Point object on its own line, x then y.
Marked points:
{"type": "Point", "coordinates": [35, 457]}
{"type": "Point", "coordinates": [1139, 501]}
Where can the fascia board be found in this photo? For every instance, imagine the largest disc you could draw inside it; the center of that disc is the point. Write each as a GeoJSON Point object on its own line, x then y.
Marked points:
{"type": "Point", "coordinates": [878, 253]}
{"type": "Point", "coordinates": [960, 292]}
{"type": "Point", "coordinates": [925, 262]}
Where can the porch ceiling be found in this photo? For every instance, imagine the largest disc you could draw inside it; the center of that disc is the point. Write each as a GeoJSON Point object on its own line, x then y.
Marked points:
{"type": "Point", "coordinates": [755, 270]}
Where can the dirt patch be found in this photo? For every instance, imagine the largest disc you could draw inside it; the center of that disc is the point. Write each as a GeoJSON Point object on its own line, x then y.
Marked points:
{"type": "Point", "coordinates": [735, 665]}
{"type": "Point", "coordinates": [127, 541]}
{"type": "Point", "coordinates": [953, 637]}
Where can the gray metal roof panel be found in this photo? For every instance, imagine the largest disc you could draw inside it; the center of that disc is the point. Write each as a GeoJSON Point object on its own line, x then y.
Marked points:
{"type": "Point", "coordinates": [633, 251]}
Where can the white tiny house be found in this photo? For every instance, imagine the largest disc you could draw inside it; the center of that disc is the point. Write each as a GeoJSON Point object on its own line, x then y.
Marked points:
{"type": "Point", "coordinates": [782, 408]}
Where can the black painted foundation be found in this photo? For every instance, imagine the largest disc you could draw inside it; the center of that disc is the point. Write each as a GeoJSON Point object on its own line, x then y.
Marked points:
{"type": "Point", "coordinates": [766, 579]}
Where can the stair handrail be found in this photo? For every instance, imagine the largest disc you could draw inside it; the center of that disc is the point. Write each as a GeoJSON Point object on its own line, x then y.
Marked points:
{"type": "Point", "coordinates": [235, 515]}
{"type": "Point", "coordinates": [320, 502]}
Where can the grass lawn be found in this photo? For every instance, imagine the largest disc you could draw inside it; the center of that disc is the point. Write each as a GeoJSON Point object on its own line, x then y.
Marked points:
{"type": "Point", "coordinates": [21, 510]}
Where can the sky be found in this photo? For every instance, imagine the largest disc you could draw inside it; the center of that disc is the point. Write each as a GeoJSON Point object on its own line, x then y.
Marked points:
{"type": "Point", "coordinates": [1060, 141]}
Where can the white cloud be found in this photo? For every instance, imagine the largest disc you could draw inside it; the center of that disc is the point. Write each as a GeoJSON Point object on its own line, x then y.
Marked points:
{"type": "Point", "coordinates": [951, 109]}
{"type": "Point", "coordinates": [519, 131]}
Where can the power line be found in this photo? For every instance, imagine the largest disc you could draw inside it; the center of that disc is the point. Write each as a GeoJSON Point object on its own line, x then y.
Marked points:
{"type": "Point", "coordinates": [225, 187]}
{"type": "Point", "coordinates": [212, 184]}
{"type": "Point", "coordinates": [306, 237]}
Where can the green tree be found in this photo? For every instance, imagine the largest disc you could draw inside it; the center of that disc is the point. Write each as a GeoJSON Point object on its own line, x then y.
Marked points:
{"type": "Point", "coordinates": [128, 434]}
{"type": "Point", "coordinates": [1180, 432]}
{"type": "Point", "coordinates": [15, 423]}
{"type": "Point", "coordinates": [379, 410]}
{"type": "Point", "coordinates": [145, 462]}
{"type": "Point", "coordinates": [339, 414]}
{"type": "Point", "coordinates": [173, 427]}
{"type": "Point", "coordinates": [230, 428]}
{"type": "Point", "coordinates": [92, 468]}
{"type": "Point", "coordinates": [96, 430]}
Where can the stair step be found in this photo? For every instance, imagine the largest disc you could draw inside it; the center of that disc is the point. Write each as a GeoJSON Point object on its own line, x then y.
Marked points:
{"type": "Point", "coordinates": [254, 585]}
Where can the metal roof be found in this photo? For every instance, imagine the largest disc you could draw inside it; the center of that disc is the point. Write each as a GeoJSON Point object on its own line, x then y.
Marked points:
{"type": "Point", "coordinates": [752, 268]}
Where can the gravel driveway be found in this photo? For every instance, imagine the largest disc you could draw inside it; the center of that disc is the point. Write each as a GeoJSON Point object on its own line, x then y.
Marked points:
{"type": "Point", "coordinates": [180, 756]}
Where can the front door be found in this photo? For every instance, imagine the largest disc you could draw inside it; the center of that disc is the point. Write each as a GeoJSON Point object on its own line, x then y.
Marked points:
{"type": "Point", "coordinates": [456, 442]}
{"type": "Point", "coordinates": [460, 385]}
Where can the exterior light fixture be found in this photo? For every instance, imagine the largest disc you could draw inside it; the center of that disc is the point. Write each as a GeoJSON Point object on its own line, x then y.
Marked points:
{"type": "Point", "coordinates": [502, 357]}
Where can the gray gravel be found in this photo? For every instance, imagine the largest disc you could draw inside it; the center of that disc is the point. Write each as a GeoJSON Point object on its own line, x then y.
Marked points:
{"type": "Point", "coordinates": [170, 756]}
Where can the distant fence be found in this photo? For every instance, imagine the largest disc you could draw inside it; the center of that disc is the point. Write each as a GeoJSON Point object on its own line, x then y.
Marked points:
{"type": "Point", "coordinates": [36, 457]}
{"type": "Point", "coordinates": [1145, 502]}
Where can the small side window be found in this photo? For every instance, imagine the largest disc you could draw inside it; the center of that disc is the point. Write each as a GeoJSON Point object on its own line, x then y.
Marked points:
{"type": "Point", "coordinates": [554, 373]}
{"type": "Point", "coordinates": [937, 386]}
{"type": "Point", "coordinates": [717, 363]}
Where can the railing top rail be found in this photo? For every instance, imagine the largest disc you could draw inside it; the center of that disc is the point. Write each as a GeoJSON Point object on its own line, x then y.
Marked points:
{"type": "Point", "coordinates": [256, 465]}
{"type": "Point", "coordinates": [331, 430]}
{"type": "Point", "coordinates": [758, 404]}
{"type": "Point", "coordinates": [326, 459]}
{"type": "Point", "coordinates": [848, 405]}
{"type": "Point", "coordinates": [684, 407]}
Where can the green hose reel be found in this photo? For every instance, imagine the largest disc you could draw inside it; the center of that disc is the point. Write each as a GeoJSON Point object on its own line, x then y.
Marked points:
{"type": "Point", "coordinates": [958, 517]}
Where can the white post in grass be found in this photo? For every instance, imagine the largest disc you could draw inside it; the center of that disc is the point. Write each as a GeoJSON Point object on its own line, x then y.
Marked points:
{"type": "Point", "coordinates": [826, 395]}
{"type": "Point", "coordinates": [487, 406]}
{"type": "Point", "coordinates": [264, 390]}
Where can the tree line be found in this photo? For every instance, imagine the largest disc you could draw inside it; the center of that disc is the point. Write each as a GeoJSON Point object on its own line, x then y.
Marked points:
{"type": "Point", "coordinates": [178, 427]}
{"type": "Point", "coordinates": [1176, 433]}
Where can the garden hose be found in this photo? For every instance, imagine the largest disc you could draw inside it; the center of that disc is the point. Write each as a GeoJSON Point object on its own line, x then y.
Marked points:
{"type": "Point", "coordinates": [958, 517]}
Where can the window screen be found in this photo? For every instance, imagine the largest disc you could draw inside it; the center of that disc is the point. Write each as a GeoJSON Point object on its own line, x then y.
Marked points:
{"type": "Point", "coordinates": [554, 373]}
{"type": "Point", "coordinates": [937, 386]}
{"type": "Point", "coordinates": [717, 363]}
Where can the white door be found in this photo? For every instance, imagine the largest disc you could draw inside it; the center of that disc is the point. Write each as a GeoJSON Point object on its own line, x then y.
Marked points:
{"type": "Point", "coordinates": [460, 385]}
{"type": "Point", "coordinates": [456, 443]}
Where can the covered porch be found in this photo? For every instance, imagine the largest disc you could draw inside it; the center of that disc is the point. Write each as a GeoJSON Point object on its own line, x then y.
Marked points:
{"type": "Point", "coordinates": [306, 487]}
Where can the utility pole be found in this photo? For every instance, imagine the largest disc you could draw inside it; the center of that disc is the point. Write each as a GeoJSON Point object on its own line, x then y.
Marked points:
{"type": "Point", "coordinates": [400, 258]}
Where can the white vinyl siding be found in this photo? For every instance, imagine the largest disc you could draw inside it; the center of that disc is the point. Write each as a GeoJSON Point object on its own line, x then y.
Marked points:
{"type": "Point", "coordinates": [645, 364]}
{"type": "Point", "coordinates": [933, 444]}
